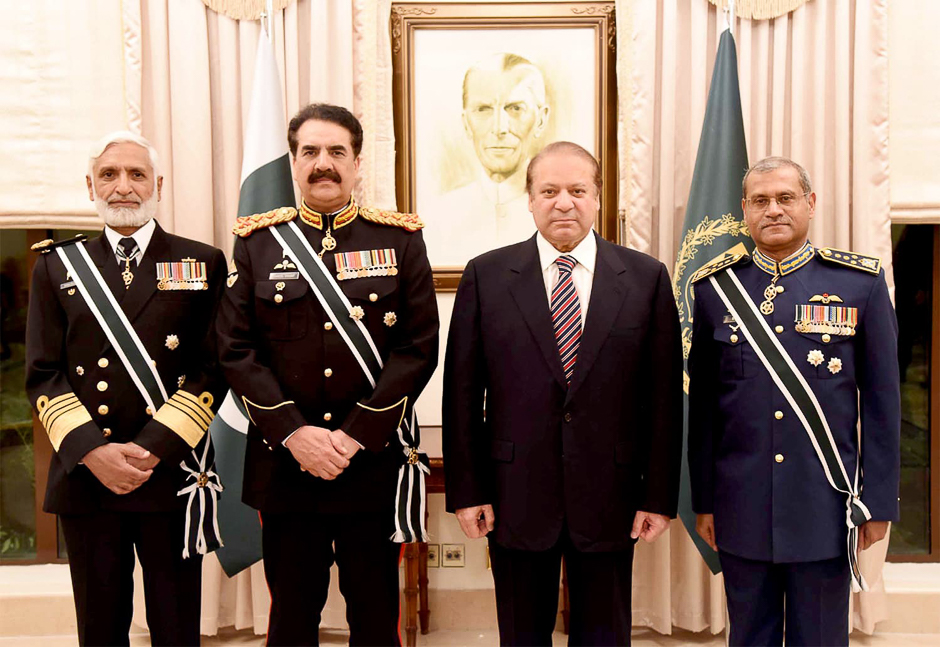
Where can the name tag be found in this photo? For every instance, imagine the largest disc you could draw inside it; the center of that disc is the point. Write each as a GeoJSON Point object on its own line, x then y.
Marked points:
{"type": "Point", "coordinates": [65, 286]}
{"type": "Point", "coordinates": [283, 276]}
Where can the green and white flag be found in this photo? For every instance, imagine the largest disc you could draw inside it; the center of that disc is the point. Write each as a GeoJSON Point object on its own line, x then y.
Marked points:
{"type": "Point", "coordinates": [265, 185]}
{"type": "Point", "coordinates": [714, 223]}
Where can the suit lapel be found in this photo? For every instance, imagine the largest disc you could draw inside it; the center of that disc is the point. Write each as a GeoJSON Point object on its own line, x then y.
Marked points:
{"type": "Point", "coordinates": [144, 285]}
{"type": "Point", "coordinates": [528, 290]}
{"type": "Point", "coordinates": [607, 296]}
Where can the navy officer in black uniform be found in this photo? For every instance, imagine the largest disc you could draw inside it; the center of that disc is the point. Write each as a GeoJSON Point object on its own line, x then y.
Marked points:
{"type": "Point", "coordinates": [115, 472]}
{"type": "Point", "coordinates": [775, 454]}
{"type": "Point", "coordinates": [323, 445]}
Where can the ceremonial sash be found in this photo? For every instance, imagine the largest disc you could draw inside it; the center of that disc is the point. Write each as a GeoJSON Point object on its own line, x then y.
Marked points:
{"type": "Point", "coordinates": [804, 403]}
{"type": "Point", "coordinates": [202, 529]}
{"type": "Point", "coordinates": [410, 499]}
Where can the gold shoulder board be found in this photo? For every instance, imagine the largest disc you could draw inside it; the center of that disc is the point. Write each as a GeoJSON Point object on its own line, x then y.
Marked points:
{"type": "Point", "coordinates": [870, 264]}
{"type": "Point", "coordinates": [719, 263]}
{"type": "Point", "coordinates": [47, 245]}
{"type": "Point", "coordinates": [407, 221]}
{"type": "Point", "coordinates": [247, 224]}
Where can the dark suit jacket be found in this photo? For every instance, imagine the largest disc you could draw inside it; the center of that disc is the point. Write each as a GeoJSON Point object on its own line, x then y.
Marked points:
{"type": "Point", "coordinates": [544, 455]}
{"type": "Point", "coordinates": [67, 352]}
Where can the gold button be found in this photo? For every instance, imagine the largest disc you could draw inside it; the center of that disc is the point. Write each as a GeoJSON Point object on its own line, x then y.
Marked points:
{"type": "Point", "coordinates": [778, 329]}
{"type": "Point", "coordinates": [779, 458]}
{"type": "Point", "coordinates": [106, 432]}
{"type": "Point", "coordinates": [327, 416]}
{"type": "Point", "coordinates": [373, 297]}
{"type": "Point", "coordinates": [734, 339]}
{"type": "Point", "coordinates": [149, 411]}
{"type": "Point", "coordinates": [102, 386]}
{"type": "Point", "coordinates": [778, 415]}
{"type": "Point", "coordinates": [278, 298]}
{"type": "Point", "coordinates": [103, 410]}
{"type": "Point", "coordinates": [826, 338]}
{"type": "Point", "coordinates": [779, 289]}
{"type": "Point", "coordinates": [103, 362]}
{"type": "Point", "coordinates": [328, 325]}
{"type": "Point", "coordinates": [328, 372]}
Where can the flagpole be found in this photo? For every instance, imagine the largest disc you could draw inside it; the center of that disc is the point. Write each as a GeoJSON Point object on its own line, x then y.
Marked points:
{"type": "Point", "coordinates": [729, 16]}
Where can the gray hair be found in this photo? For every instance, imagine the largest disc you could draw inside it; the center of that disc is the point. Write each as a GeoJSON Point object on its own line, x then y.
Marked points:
{"type": "Point", "coordinates": [504, 63]}
{"type": "Point", "coordinates": [123, 137]}
{"type": "Point", "coordinates": [769, 164]}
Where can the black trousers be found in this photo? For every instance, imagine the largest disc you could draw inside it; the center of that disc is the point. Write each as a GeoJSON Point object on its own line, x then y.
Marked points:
{"type": "Point", "coordinates": [299, 549]}
{"type": "Point", "coordinates": [809, 601]}
{"type": "Point", "coordinates": [599, 592]}
{"type": "Point", "coordinates": [101, 560]}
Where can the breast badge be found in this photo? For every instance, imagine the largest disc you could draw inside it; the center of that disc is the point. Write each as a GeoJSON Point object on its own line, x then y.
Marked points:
{"type": "Point", "coordinates": [172, 342]}
{"type": "Point", "coordinates": [390, 319]}
{"type": "Point", "coordinates": [835, 365]}
{"type": "Point", "coordinates": [186, 274]}
{"type": "Point", "coordinates": [364, 263]}
{"type": "Point", "coordinates": [356, 313]}
{"type": "Point", "coordinates": [815, 357]}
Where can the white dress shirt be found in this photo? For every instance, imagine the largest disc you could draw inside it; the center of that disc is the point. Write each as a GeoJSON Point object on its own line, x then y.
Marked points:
{"type": "Point", "coordinates": [582, 275]}
{"type": "Point", "coordinates": [142, 237]}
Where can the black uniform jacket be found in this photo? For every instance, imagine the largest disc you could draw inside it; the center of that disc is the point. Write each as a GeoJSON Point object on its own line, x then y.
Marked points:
{"type": "Point", "coordinates": [68, 356]}
{"type": "Point", "coordinates": [590, 455]}
{"type": "Point", "coordinates": [290, 367]}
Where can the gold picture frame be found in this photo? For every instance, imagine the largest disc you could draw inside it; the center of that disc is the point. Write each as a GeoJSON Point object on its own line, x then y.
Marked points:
{"type": "Point", "coordinates": [468, 74]}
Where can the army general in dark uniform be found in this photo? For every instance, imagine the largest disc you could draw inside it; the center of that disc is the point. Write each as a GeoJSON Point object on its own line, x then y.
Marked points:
{"type": "Point", "coordinates": [323, 448]}
{"type": "Point", "coordinates": [115, 473]}
{"type": "Point", "coordinates": [775, 396]}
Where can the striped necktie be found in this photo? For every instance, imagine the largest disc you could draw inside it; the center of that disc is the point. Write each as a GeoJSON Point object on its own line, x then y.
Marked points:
{"type": "Point", "coordinates": [566, 315]}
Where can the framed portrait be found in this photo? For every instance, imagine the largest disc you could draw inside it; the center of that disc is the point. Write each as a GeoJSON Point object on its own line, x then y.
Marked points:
{"type": "Point", "coordinates": [479, 89]}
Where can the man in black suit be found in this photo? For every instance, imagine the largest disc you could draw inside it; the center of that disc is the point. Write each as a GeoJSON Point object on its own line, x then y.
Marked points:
{"type": "Point", "coordinates": [558, 443]}
{"type": "Point", "coordinates": [115, 473]}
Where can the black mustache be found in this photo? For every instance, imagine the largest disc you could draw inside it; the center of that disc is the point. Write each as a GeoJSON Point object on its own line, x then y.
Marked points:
{"type": "Point", "coordinates": [319, 175]}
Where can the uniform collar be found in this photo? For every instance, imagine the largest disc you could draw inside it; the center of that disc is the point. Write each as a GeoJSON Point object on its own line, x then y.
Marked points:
{"type": "Point", "coordinates": [340, 217]}
{"type": "Point", "coordinates": [142, 237]}
{"type": "Point", "coordinates": [585, 252]}
{"type": "Point", "coordinates": [791, 263]}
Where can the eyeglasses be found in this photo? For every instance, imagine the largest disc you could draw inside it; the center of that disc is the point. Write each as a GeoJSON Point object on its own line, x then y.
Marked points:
{"type": "Point", "coordinates": [784, 201]}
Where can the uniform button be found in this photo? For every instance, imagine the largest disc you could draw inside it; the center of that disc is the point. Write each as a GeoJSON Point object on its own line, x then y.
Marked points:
{"type": "Point", "coordinates": [103, 410]}
{"type": "Point", "coordinates": [328, 325]}
{"type": "Point", "coordinates": [327, 416]}
{"type": "Point", "coordinates": [149, 411]}
{"type": "Point", "coordinates": [568, 416]}
{"type": "Point", "coordinates": [778, 329]}
{"type": "Point", "coordinates": [106, 432]}
{"type": "Point", "coordinates": [102, 386]}
{"type": "Point", "coordinates": [779, 289]}
{"type": "Point", "coordinates": [734, 339]}
{"type": "Point", "coordinates": [328, 372]}
{"type": "Point", "coordinates": [373, 297]}
{"type": "Point", "coordinates": [779, 458]}
{"type": "Point", "coordinates": [103, 362]}
{"type": "Point", "coordinates": [826, 338]}
{"type": "Point", "coordinates": [278, 298]}
{"type": "Point", "coordinates": [778, 415]}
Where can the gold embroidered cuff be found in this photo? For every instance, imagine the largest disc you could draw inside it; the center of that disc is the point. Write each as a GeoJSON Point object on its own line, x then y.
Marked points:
{"type": "Point", "coordinates": [61, 415]}
{"type": "Point", "coordinates": [187, 415]}
{"type": "Point", "coordinates": [248, 402]}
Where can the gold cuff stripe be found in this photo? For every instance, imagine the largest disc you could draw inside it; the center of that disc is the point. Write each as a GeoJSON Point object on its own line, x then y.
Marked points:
{"type": "Point", "coordinates": [187, 415]}
{"type": "Point", "coordinates": [403, 403]}
{"type": "Point", "coordinates": [61, 415]}
{"type": "Point", "coordinates": [246, 402]}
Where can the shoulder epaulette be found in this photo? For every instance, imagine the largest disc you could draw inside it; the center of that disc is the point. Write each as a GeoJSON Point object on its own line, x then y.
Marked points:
{"type": "Point", "coordinates": [870, 264]}
{"type": "Point", "coordinates": [47, 245]}
{"type": "Point", "coordinates": [247, 224]}
{"type": "Point", "coordinates": [719, 263]}
{"type": "Point", "coordinates": [407, 221]}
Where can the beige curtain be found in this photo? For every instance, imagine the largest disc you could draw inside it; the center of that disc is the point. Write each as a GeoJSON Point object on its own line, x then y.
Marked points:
{"type": "Point", "coordinates": [814, 88]}
{"type": "Point", "coordinates": [188, 83]}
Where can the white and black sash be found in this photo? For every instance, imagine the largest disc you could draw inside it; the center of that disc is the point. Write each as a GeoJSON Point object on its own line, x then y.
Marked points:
{"type": "Point", "coordinates": [202, 528]}
{"type": "Point", "coordinates": [410, 499]}
{"type": "Point", "coordinates": [804, 403]}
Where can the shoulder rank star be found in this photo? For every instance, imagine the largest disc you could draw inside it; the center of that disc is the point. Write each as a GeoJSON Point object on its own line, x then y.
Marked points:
{"type": "Point", "coordinates": [357, 313]}
{"type": "Point", "coordinates": [835, 365]}
{"type": "Point", "coordinates": [390, 319]}
{"type": "Point", "coordinates": [815, 357]}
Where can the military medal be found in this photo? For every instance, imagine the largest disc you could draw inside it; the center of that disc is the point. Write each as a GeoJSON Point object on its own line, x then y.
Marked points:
{"type": "Point", "coordinates": [366, 263]}
{"type": "Point", "coordinates": [835, 365]}
{"type": "Point", "coordinates": [356, 313]}
{"type": "Point", "coordinates": [390, 319]}
{"type": "Point", "coordinates": [815, 357]}
{"type": "Point", "coordinates": [329, 243]}
{"type": "Point", "coordinates": [186, 274]}
{"type": "Point", "coordinates": [826, 319]}
{"type": "Point", "coordinates": [770, 293]}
